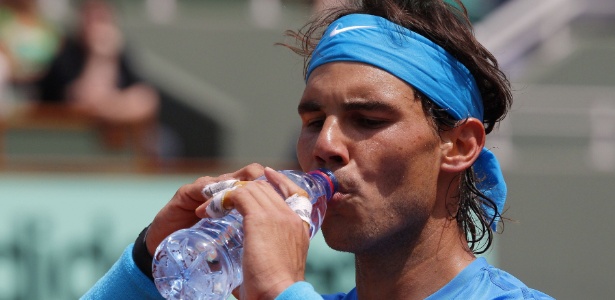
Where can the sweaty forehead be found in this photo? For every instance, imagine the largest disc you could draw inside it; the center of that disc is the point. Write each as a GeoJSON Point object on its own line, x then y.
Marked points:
{"type": "Point", "coordinates": [350, 70]}
{"type": "Point", "coordinates": [355, 79]}
{"type": "Point", "coordinates": [354, 86]}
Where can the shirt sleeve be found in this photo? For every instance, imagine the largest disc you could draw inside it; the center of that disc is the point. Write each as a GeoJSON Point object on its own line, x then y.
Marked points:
{"type": "Point", "coordinates": [123, 281]}
{"type": "Point", "coordinates": [299, 290]}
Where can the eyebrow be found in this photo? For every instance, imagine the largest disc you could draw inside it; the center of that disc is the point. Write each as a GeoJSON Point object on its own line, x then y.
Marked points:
{"type": "Point", "coordinates": [371, 105]}
{"type": "Point", "coordinates": [308, 106]}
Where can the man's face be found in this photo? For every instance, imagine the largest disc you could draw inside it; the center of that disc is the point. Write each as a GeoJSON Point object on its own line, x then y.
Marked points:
{"type": "Point", "coordinates": [365, 125]}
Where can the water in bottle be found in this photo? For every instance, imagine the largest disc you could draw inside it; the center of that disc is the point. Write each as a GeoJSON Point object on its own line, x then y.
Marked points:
{"type": "Point", "coordinates": [204, 261]}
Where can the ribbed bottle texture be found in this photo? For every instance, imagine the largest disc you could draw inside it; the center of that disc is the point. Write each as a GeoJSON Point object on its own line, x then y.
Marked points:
{"type": "Point", "coordinates": [204, 261]}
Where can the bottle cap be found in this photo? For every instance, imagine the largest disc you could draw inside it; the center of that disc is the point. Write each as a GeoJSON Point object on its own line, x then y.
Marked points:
{"type": "Point", "coordinates": [329, 178]}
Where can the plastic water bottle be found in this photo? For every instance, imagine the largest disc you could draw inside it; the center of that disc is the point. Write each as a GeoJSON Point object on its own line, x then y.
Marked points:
{"type": "Point", "coordinates": [204, 261]}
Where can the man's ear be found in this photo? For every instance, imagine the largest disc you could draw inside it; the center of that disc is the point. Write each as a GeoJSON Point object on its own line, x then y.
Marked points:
{"type": "Point", "coordinates": [461, 145]}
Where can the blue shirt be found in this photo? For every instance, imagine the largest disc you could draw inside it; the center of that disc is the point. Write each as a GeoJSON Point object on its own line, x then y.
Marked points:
{"type": "Point", "coordinates": [479, 280]}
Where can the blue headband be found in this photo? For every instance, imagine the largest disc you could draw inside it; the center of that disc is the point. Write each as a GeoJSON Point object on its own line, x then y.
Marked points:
{"type": "Point", "coordinates": [422, 64]}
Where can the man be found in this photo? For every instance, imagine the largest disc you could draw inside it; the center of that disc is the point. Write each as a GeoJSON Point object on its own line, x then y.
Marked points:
{"type": "Point", "coordinates": [400, 114]}
{"type": "Point", "coordinates": [93, 76]}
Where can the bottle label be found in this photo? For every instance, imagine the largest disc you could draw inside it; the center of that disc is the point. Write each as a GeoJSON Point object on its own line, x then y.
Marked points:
{"type": "Point", "coordinates": [301, 205]}
{"type": "Point", "coordinates": [218, 208]}
{"type": "Point", "coordinates": [213, 188]}
{"type": "Point", "coordinates": [217, 192]}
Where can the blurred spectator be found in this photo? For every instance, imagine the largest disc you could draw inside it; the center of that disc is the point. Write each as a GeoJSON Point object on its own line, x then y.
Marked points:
{"type": "Point", "coordinates": [92, 75]}
{"type": "Point", "coordinates": [27, 42]}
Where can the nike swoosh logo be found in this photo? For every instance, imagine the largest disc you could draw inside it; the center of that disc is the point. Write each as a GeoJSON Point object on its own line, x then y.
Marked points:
{"type": "Point", "coordinates": [337, 30]}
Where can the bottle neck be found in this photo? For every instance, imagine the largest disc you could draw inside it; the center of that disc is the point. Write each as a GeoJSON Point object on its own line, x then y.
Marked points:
{"type": "Point", "coordinates": [327, 179]}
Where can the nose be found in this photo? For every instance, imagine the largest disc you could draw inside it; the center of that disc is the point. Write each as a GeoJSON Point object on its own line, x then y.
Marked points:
{"type": "Point", "coordinates": [330, 148]}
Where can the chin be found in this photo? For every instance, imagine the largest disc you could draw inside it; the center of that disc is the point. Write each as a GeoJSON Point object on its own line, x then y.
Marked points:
{"type": "Point", "coordinates": [340, 238]}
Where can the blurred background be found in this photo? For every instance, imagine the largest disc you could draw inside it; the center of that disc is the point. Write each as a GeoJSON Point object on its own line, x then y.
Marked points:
{"type": "Point", "coordinates": [204, 90]}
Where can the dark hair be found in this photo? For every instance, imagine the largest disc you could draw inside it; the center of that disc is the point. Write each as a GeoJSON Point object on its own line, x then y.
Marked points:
{"type": "Point", "coordinates": [448, 26]}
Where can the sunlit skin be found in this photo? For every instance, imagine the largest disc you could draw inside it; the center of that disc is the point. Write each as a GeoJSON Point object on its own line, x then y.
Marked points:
{"type": "Point", "coordinates": [395, 172]}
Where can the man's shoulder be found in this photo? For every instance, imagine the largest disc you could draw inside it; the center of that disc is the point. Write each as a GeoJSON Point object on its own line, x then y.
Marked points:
{"type": "Point", "coordinates": [493, 282]}
{"type": "Point", "coordinates": [480, 280]}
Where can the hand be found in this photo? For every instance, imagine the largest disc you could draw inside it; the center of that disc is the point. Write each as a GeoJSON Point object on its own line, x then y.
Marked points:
{"type": "Point", "coordinates": [276, 240]}
{"type": "Point", "coordinates": [187, 207]}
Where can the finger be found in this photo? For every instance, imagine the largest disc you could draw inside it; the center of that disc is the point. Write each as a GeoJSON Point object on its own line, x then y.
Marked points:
{"type": "Point", "coordinates": [256, 198]}
{"type": "Point", "coordinates": [297, 199]}
{"type": "Point", "coordinates": [213, 185]}
{"type": "Point", "coordinates": [188, 197]}
{"type": "Point", "coordinates": [249, 172]}
{"type": "Point", "coordinates": [286, 186]}
{"type": "Point", "coordinates": [201, 211]}
{"type": "Point", "coordinates": [211, 189]}
{"type": "Point", "coordinates": [220, 205]}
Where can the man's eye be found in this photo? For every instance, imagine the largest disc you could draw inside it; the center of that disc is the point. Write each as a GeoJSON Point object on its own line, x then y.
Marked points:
{"type": "Point", "coordinates": [371, 123]}
{"type": "Point", "coordinates": [315, 123]}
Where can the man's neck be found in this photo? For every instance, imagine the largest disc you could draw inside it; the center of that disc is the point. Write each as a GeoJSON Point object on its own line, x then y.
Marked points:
{"type": "Point", "coordinates": [416, 269]}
